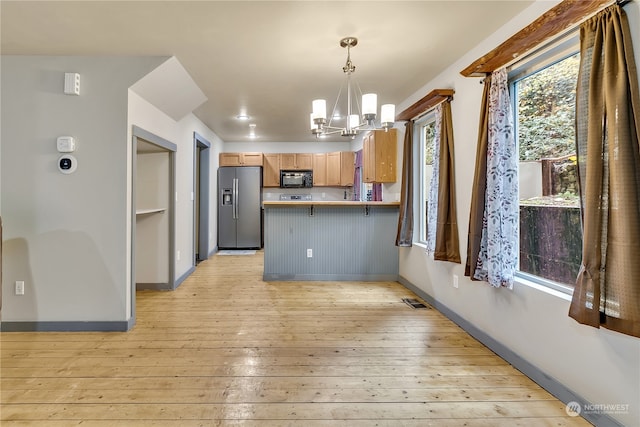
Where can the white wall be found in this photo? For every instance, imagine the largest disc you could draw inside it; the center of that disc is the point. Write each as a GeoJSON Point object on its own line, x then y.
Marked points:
{"type": "Point", "coordinates": [597, 364]}
{"type": "Point", "coordinates": [64, 235]}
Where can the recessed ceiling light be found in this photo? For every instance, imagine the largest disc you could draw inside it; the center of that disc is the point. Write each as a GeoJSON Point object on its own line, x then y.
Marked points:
{"type": "Point", "coordinates": [252, 130]}
{"type": "Point", "coordinates": [242, 117]}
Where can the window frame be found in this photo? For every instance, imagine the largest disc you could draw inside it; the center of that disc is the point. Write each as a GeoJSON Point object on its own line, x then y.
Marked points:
{"type": "Point", "coordinates": [551, 53]}
{"type": "Point", "coordinates": [419, 134]}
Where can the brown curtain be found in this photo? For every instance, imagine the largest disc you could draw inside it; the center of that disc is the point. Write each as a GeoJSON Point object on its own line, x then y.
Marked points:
{"type": "Point", "coordinates": [607, 291]}
{"type": "Point", "coordinates": [404, 237]}
{"type": "Point", "coordinates": [479, 186]}
{"type": "Point", "coordinates": [447, 247]}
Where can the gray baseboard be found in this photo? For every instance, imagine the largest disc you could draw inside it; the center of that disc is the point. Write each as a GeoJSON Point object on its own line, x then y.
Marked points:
{"type": "Point", "coordinates": [153, 287]}
{"type": "Point", "coordinates": [165, 286]}
{"type": "Point", "coordinates": [89, 326]}
{"type": "Point", "coordinates": [184, 277]}
{"type": "Point", "coordinates": [330, 277]}
{"type": "Point", "coordinates": [552, 385]}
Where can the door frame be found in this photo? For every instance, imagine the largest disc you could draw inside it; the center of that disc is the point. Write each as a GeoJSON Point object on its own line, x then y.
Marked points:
{"type": "Point", "coordinates": [202, 197]}
{"type": "Point", "coordinates": [170, 147]}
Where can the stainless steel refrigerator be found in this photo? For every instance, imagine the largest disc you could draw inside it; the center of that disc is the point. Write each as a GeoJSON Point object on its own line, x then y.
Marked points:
{"type": "Point", "coordinates": [239, 207]}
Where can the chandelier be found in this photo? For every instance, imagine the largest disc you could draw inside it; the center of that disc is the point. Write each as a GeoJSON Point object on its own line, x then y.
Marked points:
{"type": "Point", "coordinates": [354, 124]}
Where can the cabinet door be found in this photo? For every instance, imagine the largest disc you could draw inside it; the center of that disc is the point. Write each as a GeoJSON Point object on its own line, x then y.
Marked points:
{"type": "Point", "coordinates": [379, 156]}
{"type": "Point", "coordinates": [369, 158]}
{"type": "Point", "coordinates": [386, 154]}
{"type": "Point", "coordinates": [251, 159]}
{"type": "Point", "coordinates": [320, 169]}
{"type": "Point", "coordinates": [287, 161]}
{"type": "Point", "coordinates": [347, 168]}
{"type": "Point", "coordinates": [271, 170]}
{"type": "Point", "coordinates": [333, 169]}
{"type": "Point", "coordinates": [304, 161]}
{"type": "Point", "coordinates": [230, 159]}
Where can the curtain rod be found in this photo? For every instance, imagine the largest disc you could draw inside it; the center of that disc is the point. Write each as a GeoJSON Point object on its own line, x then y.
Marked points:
{"type": "Point", "coordinates": [424, 113]}
{"type": "Point", "coordinates": [560, 36]}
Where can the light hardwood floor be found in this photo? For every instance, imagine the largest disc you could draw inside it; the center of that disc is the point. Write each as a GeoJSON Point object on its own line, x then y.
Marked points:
{"type": "Point", "coordinates": [227, 349]}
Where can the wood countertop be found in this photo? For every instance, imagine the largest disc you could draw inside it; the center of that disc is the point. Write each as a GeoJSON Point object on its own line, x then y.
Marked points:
{"type": "Point", "coordinates": [337, 203]}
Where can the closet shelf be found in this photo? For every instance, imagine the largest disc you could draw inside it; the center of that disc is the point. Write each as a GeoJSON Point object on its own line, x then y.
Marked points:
{"type": "Point", "coordinates": [150, 211]}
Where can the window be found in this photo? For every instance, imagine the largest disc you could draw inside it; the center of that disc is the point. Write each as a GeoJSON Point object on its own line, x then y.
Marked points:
{"type": "Point", "coordinates": [425, 131]}
{"type": "Point", "coordinates": [550, 227]}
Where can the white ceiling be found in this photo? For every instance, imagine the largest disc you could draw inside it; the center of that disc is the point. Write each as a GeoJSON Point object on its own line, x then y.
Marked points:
{"type": "Point", "coordinates": [268, 58]}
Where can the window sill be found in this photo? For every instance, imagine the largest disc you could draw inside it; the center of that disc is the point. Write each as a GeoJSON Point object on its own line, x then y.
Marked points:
{"type": "Point", "coordinates": [559, 291]}
{"type": "Point", "coordinates": [550, 288]}
{"type": "Point", "coordinates": [420, 245]}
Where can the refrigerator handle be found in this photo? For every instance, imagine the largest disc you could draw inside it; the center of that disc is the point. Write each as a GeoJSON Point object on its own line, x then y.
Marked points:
{"type": "Point", "coordinates": [235, 198]}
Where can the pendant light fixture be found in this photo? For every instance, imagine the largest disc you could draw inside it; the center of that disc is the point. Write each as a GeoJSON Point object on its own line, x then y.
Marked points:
{"type": "Point", "coordinates": [357, 119]}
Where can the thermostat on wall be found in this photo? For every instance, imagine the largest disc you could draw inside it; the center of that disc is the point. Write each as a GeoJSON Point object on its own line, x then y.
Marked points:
{"type": "Point", "coordinates": [66, 144]}
{"type": "Point", "coordinates": [67, 164]}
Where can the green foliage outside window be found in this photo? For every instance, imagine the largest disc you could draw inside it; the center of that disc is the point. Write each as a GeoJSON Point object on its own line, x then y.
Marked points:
{"type": "Point", "coordinates": [546, 110]}
{"type": "Point", "coordinates": [429, 134]}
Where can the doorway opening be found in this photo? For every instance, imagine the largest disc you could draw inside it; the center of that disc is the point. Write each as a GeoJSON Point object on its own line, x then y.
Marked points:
{"type": "Point", "coordinates": [201, 184]}
{"type": "Point", "coordinates": [153, 213]}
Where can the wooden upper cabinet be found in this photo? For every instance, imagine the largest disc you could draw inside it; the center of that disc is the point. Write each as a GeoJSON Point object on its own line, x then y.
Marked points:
{"type": "Point", "coordinates": [329, 169]}
{"type": "Point", "coordinates": [252, 159]}
{"type": "Point", "coordinates": [304, 161]}
{"type": "Point", "coordinates": [347, 168]}
{"type": "Point", "coordinates": [379, 153]}
{"type": "Point", "coordinates": [292, 161]}
{"type": "Point", "coordinates": [287, 161]}
{"type": "Point", "coordinates": [271, 170]}
{"type": "Point", "coordinates": [340, 168]}
{"type": "Point", "coordinates": [333, 169]}
{"type": "Point", "coordinates": [320, 169]}
{"type": "Point", "coordinates": [240, 159]}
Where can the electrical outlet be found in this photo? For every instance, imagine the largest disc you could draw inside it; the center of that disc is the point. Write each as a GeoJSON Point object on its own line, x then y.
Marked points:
{"type": "Point", "coordinates": [19, 287]}
{"type": "Point", "coordinates": [177, 255]}
{"type": "Point", "coordinates": [455, 281]}
{"type": "Point", "coordinates": [309, 253]}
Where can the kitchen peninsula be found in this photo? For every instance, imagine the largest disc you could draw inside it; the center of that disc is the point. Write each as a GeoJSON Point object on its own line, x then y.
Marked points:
{"type": "Point", "coordinates": [330, 240]}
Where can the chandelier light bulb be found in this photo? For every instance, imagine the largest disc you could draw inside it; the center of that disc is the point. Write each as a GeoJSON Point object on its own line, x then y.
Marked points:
{"type": "Point", "coordinates": [319, 109]}
{"type": "Point", "coordinates": [369, 103]}
{"type": "Point", "coordinates": [387, 114]}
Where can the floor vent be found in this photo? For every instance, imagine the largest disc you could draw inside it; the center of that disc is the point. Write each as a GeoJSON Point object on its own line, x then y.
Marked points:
{"type": "Point", "coordinates": [413, 303]}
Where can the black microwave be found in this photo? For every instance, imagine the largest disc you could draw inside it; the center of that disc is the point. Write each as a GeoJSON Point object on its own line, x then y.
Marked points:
{"type": "Point", "coordinates": [296, 178]}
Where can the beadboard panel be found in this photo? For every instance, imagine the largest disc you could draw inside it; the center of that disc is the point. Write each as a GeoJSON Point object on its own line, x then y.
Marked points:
{"type": "Point", "coordinates": [348, 243]}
